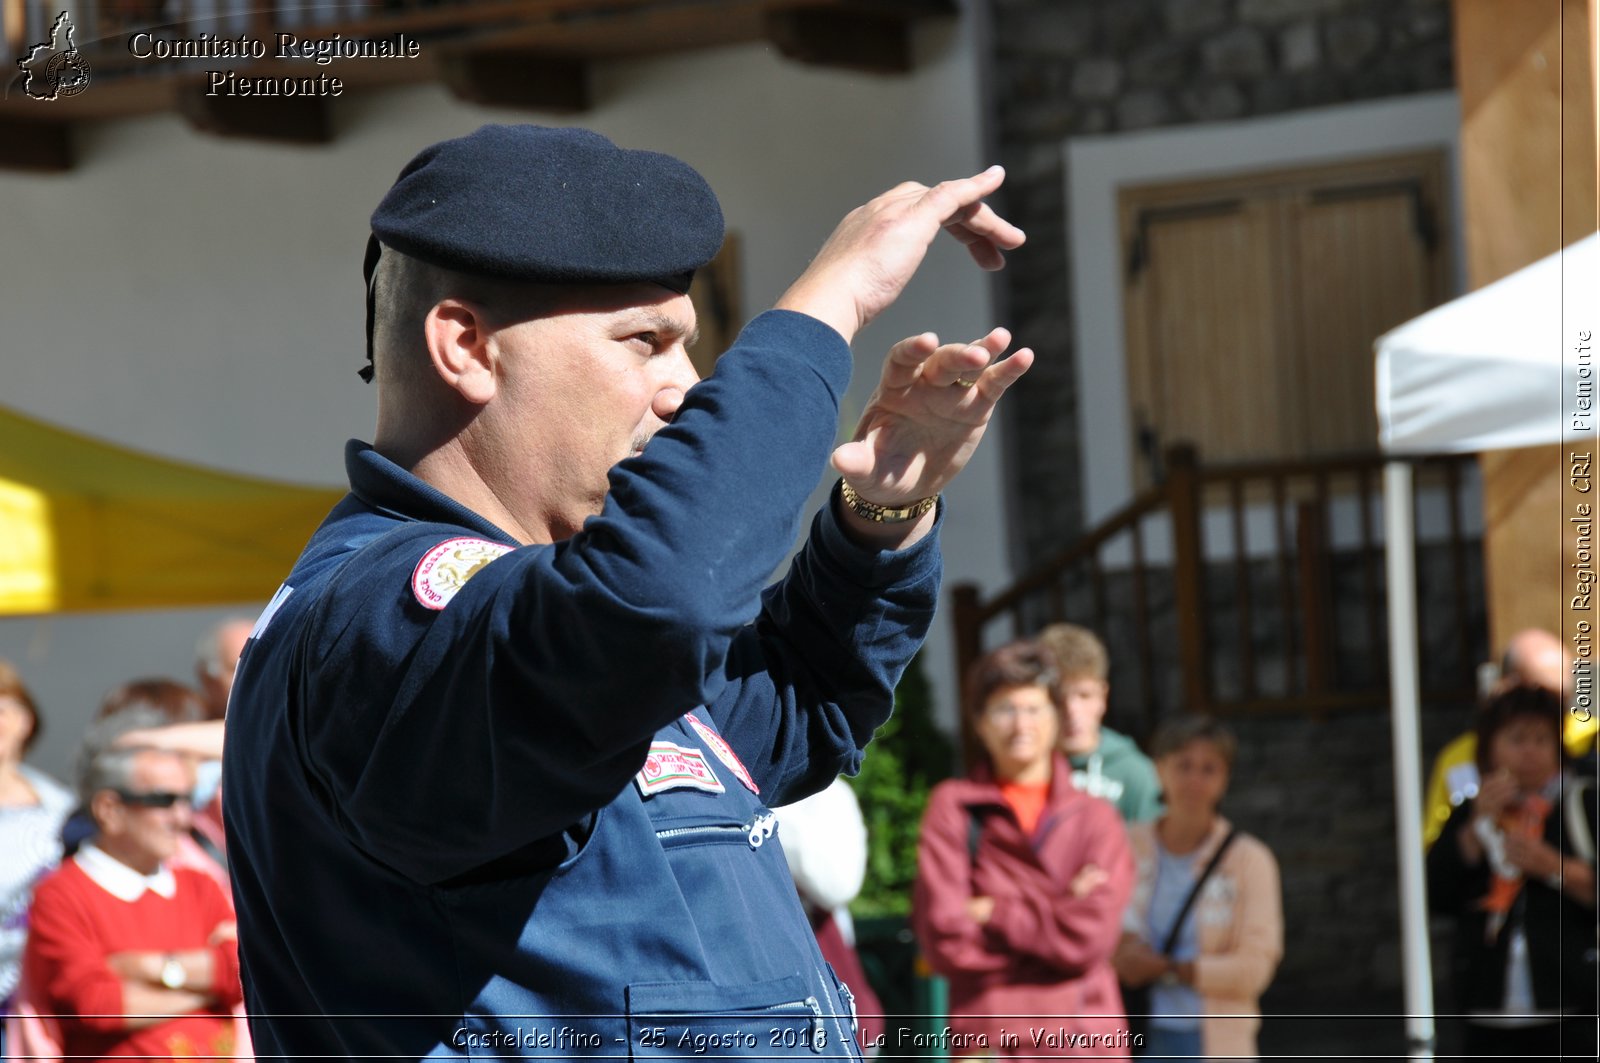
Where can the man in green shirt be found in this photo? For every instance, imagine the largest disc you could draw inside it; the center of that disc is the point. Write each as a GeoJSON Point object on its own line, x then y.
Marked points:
{"type": "Point", "coordinates": [1105, 763]}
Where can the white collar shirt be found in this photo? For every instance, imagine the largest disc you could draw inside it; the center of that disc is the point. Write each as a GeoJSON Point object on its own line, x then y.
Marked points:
{"type": "Point", "coordinates": [120, 880]}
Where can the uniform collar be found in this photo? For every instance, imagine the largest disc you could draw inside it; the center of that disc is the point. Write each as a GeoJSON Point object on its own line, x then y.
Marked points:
{"type": "Point", "coordinates": [383, 485]}
{"type": "Point", "coordinates": [120, 880]}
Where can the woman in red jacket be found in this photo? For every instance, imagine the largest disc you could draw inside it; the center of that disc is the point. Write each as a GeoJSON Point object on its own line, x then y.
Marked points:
{"type": "Point", "coordinates": [1021, 881]}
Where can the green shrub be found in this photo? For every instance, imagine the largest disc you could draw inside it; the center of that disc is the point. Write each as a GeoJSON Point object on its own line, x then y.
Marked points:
{"type": "Point", "coordinates": [907, 756]}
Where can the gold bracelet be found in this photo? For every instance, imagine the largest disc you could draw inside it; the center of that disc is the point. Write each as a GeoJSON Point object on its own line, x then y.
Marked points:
{"type": "Point", "coordinates": [884, 514]}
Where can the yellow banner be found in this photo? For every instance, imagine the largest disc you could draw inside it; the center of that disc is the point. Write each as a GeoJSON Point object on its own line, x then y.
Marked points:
{"type": "Point", "coordinates": [87, 525]}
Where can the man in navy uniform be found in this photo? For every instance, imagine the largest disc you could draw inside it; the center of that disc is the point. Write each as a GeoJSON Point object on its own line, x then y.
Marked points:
{"type": "Point", "coordinates": [515, 722]}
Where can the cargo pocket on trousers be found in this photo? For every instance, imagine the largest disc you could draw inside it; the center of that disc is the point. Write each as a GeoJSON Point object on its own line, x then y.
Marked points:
{"type": "Point", "coordinates": [779, 1019]}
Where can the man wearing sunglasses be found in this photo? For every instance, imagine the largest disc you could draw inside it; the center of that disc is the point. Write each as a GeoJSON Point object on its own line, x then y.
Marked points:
{"type": "Point", "coordinates": [137, 957]}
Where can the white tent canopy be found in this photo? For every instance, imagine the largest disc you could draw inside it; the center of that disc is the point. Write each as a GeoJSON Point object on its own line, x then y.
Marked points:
{"type": "Point", "coordinates": [1492, 370]}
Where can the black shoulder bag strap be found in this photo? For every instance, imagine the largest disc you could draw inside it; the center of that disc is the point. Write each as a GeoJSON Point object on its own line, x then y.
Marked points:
{"type": "Point", "coordinates": [974, 834]}
{"type": "Point", "coordinates": [1194, 892]}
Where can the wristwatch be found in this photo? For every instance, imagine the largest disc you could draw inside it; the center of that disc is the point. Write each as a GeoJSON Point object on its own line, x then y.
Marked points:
{"type": "Point", "coordinates": [173, 976]}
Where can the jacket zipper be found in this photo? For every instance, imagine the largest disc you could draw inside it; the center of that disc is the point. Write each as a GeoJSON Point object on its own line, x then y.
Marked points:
{"type": "Point", "coordinates": [756, 832]}
{"type": "Point", "coordinates": [850, 1001]}
{"type": "Point", "coordinates": [819, 1032]}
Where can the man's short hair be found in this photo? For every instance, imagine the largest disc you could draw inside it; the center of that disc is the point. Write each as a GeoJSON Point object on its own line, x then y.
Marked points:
{"type": "Point", "coordinates": [1079, 654]}
{"type": "Point", "coordinates": [98, 741]}
{"type": "Point", "coordinates": [405, 289]}
{"type": "Point", "coordinates": [208, 647]}
{"type": "Point", "coordinates": [109, 769]}
{"type": "Point", "coordinates": [1178, 731]}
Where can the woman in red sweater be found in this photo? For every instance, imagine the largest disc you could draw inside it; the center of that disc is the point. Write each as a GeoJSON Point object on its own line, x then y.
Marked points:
{"type": "Point", "coordinates": [1022, 880]}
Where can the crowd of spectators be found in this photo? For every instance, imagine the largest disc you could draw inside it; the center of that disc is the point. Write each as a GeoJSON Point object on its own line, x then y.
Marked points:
{"type": "Point", "coordinates": [1073, 892]}
{"type": "Point", "coordinates": [1156, 933]}
{"type": "Point", "coordinates": [118, 928]}
{"type": "Point", "coordinates": [1071, 910]}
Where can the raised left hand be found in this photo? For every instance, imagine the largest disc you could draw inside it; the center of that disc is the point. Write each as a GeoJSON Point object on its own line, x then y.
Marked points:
{"type": "Point", "coordinates": [1532, 856]}
{"type": "Point", "coordinates": [921, 425]}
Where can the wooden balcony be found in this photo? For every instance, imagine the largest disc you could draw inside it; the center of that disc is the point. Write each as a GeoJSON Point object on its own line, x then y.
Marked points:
{"type": "Point", "coordinates": [1282, 610]}
{"type": "Point", "coordinates": [139, 55]}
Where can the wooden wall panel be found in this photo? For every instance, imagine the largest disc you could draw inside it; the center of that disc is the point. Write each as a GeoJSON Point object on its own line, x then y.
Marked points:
{"type": "Point", "coordinates": [1253, 299]}
{"type": "Point", "coordinates": [1361, 270]}
{"type": "Point", "coordinates": [1524, 69]}
{"type": "Point", "coordinates": [1527, 130]}
{"type": "Point", "coordinates": [1522, 520]}
{"type": "Point", "coordinates": [1213, 372]}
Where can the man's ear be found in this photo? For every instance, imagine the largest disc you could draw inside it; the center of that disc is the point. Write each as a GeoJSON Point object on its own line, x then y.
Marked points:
{"type": "Point", "coordinates": [106, 811]}
{"type": "Point", "coordinates": [457, 335]}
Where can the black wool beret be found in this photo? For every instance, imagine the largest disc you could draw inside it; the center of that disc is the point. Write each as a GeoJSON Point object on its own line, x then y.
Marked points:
{"type": "Point", "coordinates": [553, 206]}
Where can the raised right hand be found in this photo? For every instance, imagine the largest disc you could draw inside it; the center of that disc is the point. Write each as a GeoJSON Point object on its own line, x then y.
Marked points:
{"type": "Point", "coordinates": [873, 254]}
{"type": "Point", "coordinates": [1497, 792]}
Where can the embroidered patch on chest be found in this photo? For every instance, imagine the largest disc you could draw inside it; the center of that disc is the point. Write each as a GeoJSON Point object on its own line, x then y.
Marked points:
{"type": "Point", "coordinates": [673, 767]}
{"type": "Point", "coordinates": [724, 752]}
{"type": "Point", "coordinates": [445, 569]}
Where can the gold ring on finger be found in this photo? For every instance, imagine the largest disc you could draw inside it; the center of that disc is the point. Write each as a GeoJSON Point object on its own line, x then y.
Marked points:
{"type": "Point", "coordinates": [962, 382]}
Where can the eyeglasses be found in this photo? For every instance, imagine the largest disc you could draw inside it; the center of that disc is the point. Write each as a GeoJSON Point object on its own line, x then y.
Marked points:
{"type": "Point", "coordinates": [152, 798]}
{"type": "Point", "coordinates": [1007, 711]}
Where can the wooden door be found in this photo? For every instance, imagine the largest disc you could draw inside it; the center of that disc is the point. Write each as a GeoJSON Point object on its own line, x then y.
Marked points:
{"type": "Point", "coordinates": [1252, 303]}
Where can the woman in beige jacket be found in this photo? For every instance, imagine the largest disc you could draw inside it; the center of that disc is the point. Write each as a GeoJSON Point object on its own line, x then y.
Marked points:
{"type": "Point", "coordinates": [1204, 995]}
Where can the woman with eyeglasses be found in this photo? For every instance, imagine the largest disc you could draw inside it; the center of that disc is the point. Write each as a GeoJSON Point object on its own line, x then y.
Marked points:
{"type": "Point", "coordinates": [1022, 879]}
{"type": "Point", "coordinates": [32, 808]}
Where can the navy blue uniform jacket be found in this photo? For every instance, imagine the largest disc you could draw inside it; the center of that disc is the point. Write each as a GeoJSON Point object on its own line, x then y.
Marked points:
{"type": "Point", "coordinates": [523, 808]}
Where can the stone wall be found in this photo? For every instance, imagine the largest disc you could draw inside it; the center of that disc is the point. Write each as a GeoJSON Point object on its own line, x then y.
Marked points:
{"type": "Point", "coordinates": [1065, 68]}
{"type": "Point", "coordinates": [1329, 819]}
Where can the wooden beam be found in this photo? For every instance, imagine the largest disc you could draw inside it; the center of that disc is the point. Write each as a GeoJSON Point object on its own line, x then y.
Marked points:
{"type": "Point", "coordinates": [868, 41]}
{"type": "Point", "coordinates": [281, 119]}
{"type": "Point", "coordinates": [526, 79]}
{"type": "Point", "coordinates": [39, 147]}
{"type": "Point", "coordinates": [635, 31]}
{"type": "Point", "coordinates": [1526, 84]}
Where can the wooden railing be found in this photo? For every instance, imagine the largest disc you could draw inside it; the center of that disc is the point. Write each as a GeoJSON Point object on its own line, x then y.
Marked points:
{"type": "Point", "coordinates": [1228, 623]}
